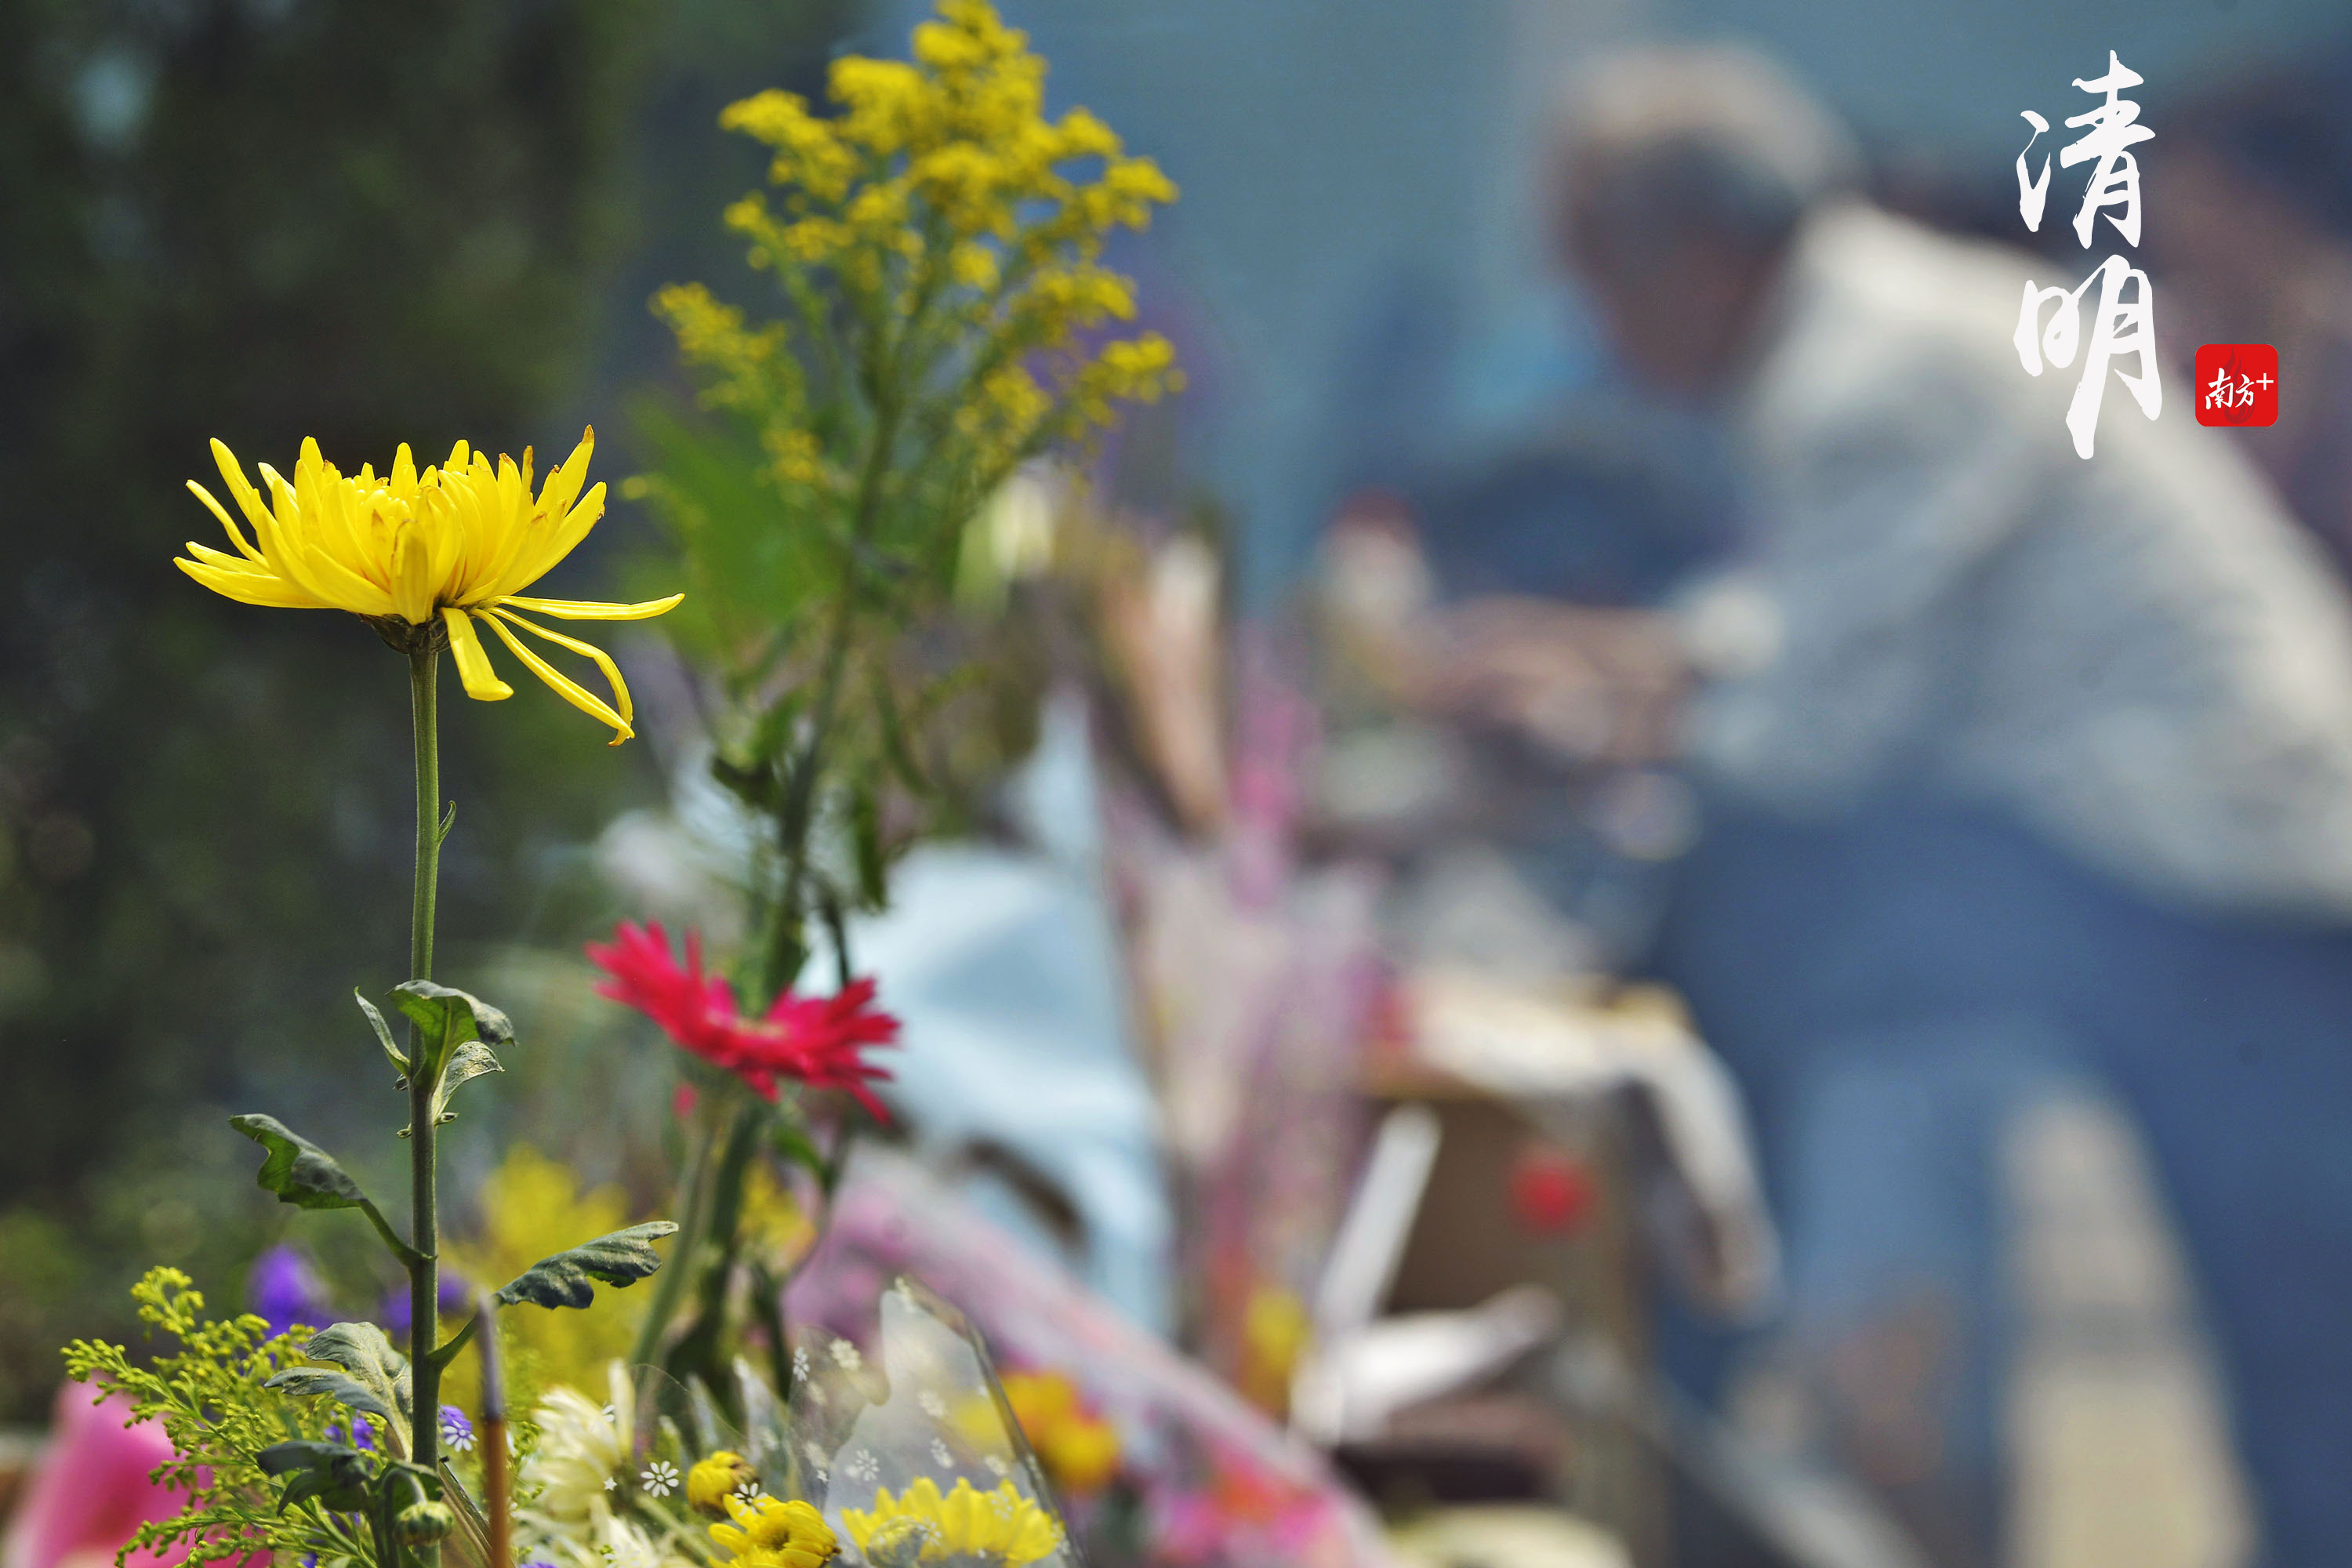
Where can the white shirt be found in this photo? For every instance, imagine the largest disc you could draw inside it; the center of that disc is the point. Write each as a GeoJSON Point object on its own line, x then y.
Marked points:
{"type": "Point", "coordinates": [2138, 653]}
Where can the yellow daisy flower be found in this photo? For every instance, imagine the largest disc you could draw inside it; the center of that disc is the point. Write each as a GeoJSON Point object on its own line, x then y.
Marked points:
{"type": "Point", "coordinates": [771, 1534]}
{"type": "Point", "coordinates": [438, 549]}
{"type": "Point", "coordinates": [998, 1526]}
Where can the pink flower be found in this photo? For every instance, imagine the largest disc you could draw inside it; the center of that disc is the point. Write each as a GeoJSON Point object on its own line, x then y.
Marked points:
{"type": "Point", "coordinates": [90, 1491]}
{"type": "Point", "coordinates": [815, 1040]}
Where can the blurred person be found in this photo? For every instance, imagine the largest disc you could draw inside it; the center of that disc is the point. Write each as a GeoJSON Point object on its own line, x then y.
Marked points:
{"type": "Point", "coordinates": [2252, 243]}
{"type": "Point", "coordinates": [2011, 760]}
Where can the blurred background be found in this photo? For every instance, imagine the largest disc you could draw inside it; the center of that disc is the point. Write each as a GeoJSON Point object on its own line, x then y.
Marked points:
{"type": "Point", "coordinates": [267, 219]}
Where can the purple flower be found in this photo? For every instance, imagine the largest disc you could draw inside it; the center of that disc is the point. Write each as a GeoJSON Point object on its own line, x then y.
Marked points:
{"type": "Point", "coordinates": [453, 1296]}
{"type": "Point", "coordinates": [284, 1288]}
{"type": "Point", "coordinates": [455, 1430]}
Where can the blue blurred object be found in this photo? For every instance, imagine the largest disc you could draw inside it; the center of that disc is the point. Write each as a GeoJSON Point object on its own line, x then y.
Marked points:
{"type": "Point", "coordinates": [1886, 986]}
{"type": "Point", "coordinates": [1004, 968]}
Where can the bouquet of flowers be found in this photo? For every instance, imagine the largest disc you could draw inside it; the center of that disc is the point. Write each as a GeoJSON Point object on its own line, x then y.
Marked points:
{"type": "Point", "coordinates": [937, 243]}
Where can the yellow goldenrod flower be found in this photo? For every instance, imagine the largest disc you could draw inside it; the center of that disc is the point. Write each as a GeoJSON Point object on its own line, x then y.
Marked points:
{"type": "Point", "coordinates": [440, 550]}
{"type": "Point", "coordinates": [941, 190]}
{"type": "Point", "coordinates": [771, 1534]}
{"type": "Point", "coordinates": [723, 1474]}
{"type": "Point", "coordinates": [1000, 1528]}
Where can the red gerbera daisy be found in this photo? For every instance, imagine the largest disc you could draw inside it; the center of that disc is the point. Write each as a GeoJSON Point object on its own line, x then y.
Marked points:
{"type": "Point", "coordinates": [815, 1040]}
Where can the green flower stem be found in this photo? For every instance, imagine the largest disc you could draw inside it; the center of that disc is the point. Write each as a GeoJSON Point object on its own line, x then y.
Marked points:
{"type": "Point", "coordinates": [787, 947]}
{"type": "Point", "coordinates": [669, 1284]}
{"type": "Point", "coordinates": [424, 1268]}
{"type": "Point", "coordinates": [702, 1348]}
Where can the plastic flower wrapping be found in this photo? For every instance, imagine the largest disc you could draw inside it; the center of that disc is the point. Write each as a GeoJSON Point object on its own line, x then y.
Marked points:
{"type": "Point", "coordinates": [914, 1454]}
{"type": "Point", "coordinates": [1154, 1460]}
{"type": "Point", "coordinates": [909, 1454]}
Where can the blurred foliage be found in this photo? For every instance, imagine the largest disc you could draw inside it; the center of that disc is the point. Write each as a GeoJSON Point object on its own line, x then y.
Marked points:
{"type": "Point", "coordinates": [532, 1208]}
{"type": "Point", "coordinates": [265, 219]}
{"type": "Point", "coordinates": [938, 321]}
{"type": "Point", "coordinates": [943, 317]}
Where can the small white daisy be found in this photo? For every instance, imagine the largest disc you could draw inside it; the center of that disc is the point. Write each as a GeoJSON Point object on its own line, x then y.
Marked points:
{"type": "Point", "coordinates": [612, 1482]}
{"type": "Point", "coordinates": [660, 1478]}
{"type": "Point", "coordinates": [997, 1466]}
{"type": "Point", "coordinates": [939, 1454]}
{"type": "Point", "coordinates": [799, 1363]}
{"type": "Point", "coordinates": [845, 1356]}
{"type": "Point", "coordinates": [933, 1405]}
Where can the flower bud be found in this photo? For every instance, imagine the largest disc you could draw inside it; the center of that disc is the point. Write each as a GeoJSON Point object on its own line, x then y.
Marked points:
{"type": "Point", "coordinates": [423, 1522]}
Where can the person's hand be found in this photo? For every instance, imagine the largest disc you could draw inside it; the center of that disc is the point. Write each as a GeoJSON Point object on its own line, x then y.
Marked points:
{"type": "Point", "coordinates": [1588, 685]}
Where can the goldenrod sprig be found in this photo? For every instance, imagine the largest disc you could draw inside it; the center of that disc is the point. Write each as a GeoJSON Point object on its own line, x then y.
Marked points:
{"type": "Point", "coordinates": [213, 1397]}
{"type": "Point", "coordinates": [946, 316]}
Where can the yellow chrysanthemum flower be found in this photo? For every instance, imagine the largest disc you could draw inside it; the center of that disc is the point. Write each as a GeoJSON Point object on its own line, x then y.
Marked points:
{"type": "Point", "coordinates": [999, 1528]}
{"type": "Point", "coordinates": [710, 1484]}
{"type": "Point", "coordinates": [438, 549]}
{"type": "Point", "coordinates": [768, 1534]}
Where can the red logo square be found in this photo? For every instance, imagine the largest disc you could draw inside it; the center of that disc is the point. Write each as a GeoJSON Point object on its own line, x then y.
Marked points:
{"type": "Point", "coordinates": [2237, 383]}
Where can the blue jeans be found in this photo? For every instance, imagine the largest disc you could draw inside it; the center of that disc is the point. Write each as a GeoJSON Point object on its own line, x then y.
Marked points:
{"type": "Point", "coordinates": [1911, 939]}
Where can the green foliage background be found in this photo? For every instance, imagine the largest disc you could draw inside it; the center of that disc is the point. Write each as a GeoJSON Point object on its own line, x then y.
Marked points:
{"type": "Point", "coordinates": [263, 220]}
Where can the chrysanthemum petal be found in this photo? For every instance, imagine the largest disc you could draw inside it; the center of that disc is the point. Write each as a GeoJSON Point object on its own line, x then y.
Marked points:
{"type": "Point", "coordinates": [412, 576]}
{"type": "Point", "coordinates": [321, 573]}
{"type": "Point", "coordinates": [540, 556]}
{"type": "Point", "coordinates": [587, 650]}
{"type": "Point", "coordinates": [482, 682]}
{"type": "Point", "coordinates": [237, 536]}
{"type": "Point", "coordinates": [240, 489]}
{"type": "Point", "coordinates": [250, 587]}
{"type": "Point", "coordinates": [571, 690]}
{"type": "Point", "coordinates": [562, 486]}
{"type": "Point", "coordinates": [588, 610]}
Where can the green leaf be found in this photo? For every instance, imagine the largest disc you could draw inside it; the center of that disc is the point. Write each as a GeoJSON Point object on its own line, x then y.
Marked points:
{"type": "Point", "coordinates": [470, 1060]}
{"type": "Point", "coordinates": [792, 1141]}
{"type": "Point", "coordinates": [375, 1370]}
{"type": "Point", "coordinates": [449, 1016]}
{"type": "Point", "coordinates": [337, 1476]}
{"type": "Point", "coordinates": [446, 1019]}
{"type": "Point", "coordinates": [296, 1170]}
{"type": "Point", "coordinates": [619, 1259]}
{"type": "Point", "coordinates": [317, 1380]}
{"type": "Point", "coordinates": [398, 1057]}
